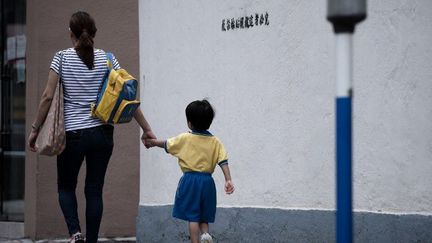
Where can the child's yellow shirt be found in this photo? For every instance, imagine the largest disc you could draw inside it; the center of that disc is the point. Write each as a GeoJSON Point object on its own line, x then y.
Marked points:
{"type": "Point", "coordinates": [197, 151]}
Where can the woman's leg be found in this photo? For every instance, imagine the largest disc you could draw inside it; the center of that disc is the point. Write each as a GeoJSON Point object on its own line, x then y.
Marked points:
{"type": "Point", "coordinates": [97, 159]}
{"type": "Point", "coordinates": [68, 166]}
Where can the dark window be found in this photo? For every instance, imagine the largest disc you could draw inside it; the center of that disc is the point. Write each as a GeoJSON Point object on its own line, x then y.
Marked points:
{"type": "Point", "coordinates": [12, 109]}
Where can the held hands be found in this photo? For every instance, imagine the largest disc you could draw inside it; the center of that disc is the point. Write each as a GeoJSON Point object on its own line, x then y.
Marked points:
{"type": "Point", "coordinates": [149, 143]}
{"type": "Point", "coordinates": [229, 187]}
{"type": "Point", "coordinates": [147, 135]}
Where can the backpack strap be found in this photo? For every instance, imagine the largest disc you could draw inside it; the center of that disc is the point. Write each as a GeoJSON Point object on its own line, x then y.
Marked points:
{"type": "Point", "coordinates": [110, 60]}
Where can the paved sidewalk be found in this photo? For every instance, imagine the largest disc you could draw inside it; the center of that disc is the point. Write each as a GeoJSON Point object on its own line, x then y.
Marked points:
{"type": "Point", "coordinates": [13, 232]}
{"type": "Point", "coordinates": [103, 240]}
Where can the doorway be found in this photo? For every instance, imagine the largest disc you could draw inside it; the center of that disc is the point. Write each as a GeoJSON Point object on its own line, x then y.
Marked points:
{"type": "Point", "coordinates": [12, 109]}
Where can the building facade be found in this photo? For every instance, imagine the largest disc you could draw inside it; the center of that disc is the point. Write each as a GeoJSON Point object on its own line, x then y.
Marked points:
{"type": "Point", "coordinates": [268, 67]}
{"type": "Point", "coordinates": [32, 32]}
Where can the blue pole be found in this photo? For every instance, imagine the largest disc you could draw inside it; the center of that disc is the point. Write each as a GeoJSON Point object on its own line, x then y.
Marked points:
{"type": "Point", "coordinates": [344, 171]}
{"type": "Point", "coordinates": [344, 15]}
{"type": "Point", "coordinates": [343, 137]}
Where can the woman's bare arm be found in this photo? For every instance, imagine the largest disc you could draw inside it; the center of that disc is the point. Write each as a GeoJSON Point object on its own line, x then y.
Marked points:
{"type": "Point", "coordinates": [145, 126]}
{"type": "Point", "coordinates": [43, 109]}
{"type": "Point", "coordinates": [46, 100]}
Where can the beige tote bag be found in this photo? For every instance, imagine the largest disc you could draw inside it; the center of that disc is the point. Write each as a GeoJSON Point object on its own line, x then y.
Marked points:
{"type": "Point", "coordinates": [52, 136]}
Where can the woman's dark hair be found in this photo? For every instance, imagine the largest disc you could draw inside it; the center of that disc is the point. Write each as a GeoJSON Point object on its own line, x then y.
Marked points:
{"type": "Point", "coordinates": [83, 27]}
{"type": "Point", "coordinates": [200, 113]}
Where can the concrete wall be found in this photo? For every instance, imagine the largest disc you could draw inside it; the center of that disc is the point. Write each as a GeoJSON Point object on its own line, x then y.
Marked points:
{"type": "Point", "coordinates": [273, 88]}
{"type": "Point", "coordinates": [47, 25]}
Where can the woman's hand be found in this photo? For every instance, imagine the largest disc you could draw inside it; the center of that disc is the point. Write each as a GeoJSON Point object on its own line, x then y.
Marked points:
{"type": "Point", "coordinates": [32, 140]}
{"type": "Point", "coordinates": [147, 132]}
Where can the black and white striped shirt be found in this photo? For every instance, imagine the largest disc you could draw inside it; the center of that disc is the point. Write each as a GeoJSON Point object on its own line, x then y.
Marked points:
{"type": "Point", "coordinates": [81, 86]}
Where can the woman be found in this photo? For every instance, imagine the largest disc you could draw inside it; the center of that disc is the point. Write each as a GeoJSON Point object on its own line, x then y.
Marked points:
{"type": "Point", "coordinates": [83, 68]}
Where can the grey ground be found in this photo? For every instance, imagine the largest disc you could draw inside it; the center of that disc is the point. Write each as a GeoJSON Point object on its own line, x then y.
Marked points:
{"type": "Point", "coordinates": [103, 240]}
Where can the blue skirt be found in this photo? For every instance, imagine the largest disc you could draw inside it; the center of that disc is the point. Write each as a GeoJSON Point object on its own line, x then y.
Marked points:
{"type": "Point", "coordinates": [195, 199]}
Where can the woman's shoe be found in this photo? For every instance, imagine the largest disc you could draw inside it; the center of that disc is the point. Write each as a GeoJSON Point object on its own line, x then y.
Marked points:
{"type": "Point", "coordinates": [77, 238]}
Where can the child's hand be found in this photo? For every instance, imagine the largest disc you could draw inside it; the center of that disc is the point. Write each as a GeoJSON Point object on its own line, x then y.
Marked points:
{"type": "Point", "coordinates": [229, 187]}
{"type": "Point", "coordinates": [149, 142]}
{"type": "Point", "coordinates": [152, 142]}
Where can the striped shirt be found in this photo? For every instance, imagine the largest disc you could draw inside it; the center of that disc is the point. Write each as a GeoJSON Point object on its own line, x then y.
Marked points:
{"type": "Point", "coordinates": [81, 86]}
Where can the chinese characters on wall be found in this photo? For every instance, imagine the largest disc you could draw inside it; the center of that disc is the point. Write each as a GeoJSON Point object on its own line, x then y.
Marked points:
{"type": "Point", "coordinates": [245, 22]}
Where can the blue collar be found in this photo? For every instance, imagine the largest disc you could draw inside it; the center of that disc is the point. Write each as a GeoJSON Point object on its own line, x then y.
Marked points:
{"type": "Point", "coordinates": [201, 132]}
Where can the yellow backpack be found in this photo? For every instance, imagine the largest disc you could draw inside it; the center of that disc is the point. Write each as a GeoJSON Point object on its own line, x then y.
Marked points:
{"type": "Point", "coordinates": [116, 101]}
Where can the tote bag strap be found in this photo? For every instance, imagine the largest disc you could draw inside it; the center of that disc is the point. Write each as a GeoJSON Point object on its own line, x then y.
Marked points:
{"type": "Point", "coordinates": [60, 67]}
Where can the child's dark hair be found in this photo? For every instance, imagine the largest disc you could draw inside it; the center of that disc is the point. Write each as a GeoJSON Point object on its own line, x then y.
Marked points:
{"type": "Point", "coordinates": [200, 114]}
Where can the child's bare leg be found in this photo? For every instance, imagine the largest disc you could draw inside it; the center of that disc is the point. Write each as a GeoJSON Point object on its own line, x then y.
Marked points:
{"type": "Point", "coordinates": [204, 227]}
{"type": "Point", "coordinates": [194, 232]}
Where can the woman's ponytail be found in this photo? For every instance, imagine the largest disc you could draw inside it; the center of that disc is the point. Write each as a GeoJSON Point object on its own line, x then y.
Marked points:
{"type": "Point", "coordinates": [85, 50]}
{"type": "Point", "coordinates": [83, 27]}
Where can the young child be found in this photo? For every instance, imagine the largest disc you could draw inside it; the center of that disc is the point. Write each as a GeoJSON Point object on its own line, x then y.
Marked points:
{"type": "Point", "coordinates": [198, 153]}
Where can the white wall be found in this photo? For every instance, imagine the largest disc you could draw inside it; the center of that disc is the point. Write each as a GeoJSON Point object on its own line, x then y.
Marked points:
{"type": "Point", "coordinates": [273, 90]}
{"type": "Point", "coordinates": [393, 108]}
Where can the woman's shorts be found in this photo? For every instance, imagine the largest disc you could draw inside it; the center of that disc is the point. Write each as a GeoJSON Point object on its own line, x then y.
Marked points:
{"type": "Point", "coordinates": [195, 199]}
